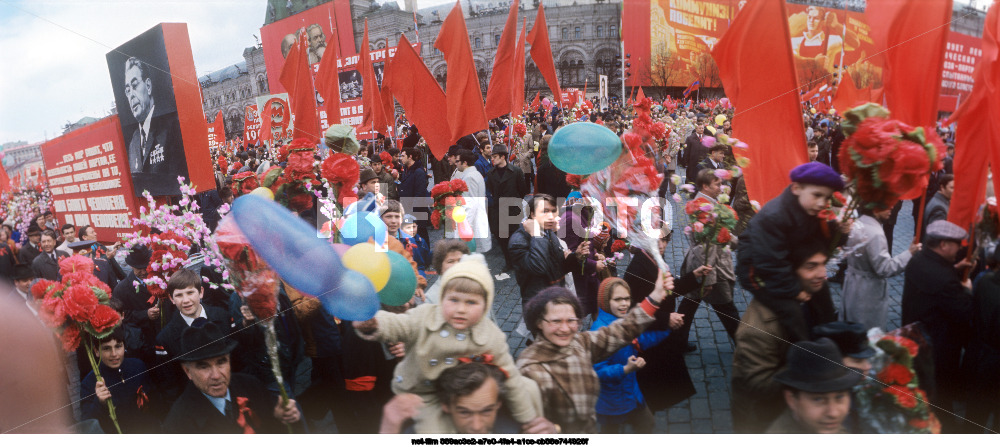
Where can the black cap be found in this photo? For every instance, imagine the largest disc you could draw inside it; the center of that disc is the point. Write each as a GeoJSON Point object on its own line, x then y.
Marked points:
{"type": "Point", "coordinates": [204, 340]}
{"type": "Point", "coordinates": [80, 245]}
{"type": "Point", "coordinates": [138, 258]}
{"type": "Point", "coordinates": [851, 338]}
{"type": "Point", "coordinates": [23, 272]}
{"type": "Point", "coordinates": [817, 367]}
{"type": "Point", "coordinates": [499, 149]}
{"type": "Point", "coordinates": [34, 230]}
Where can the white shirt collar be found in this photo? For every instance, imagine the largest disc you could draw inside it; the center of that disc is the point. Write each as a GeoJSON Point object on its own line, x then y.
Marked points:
{"type": "Point", "coordinates": [190, 320]}
{"type": "Point", "coordinates": [147, 121]}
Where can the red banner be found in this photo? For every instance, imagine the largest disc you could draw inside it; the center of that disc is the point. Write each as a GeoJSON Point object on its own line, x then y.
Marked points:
{"type": "Point", "coordinates": [960, 57]}
{"type": "Point", "coordinates": [251, 125]}
{"type": "Point", "coordinates": [89, 179]}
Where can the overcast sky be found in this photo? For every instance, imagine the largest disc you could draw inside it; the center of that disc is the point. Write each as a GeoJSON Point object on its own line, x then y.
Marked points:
{"type": "Point", "coordinates": [54, 68]}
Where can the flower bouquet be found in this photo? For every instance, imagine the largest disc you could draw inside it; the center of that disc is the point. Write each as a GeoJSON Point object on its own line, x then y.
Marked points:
{"type": "Point", "coordinates": [711, 225]}
{"type": "Point", "coordinates": [893, 402]}
{"type": "Point", "coordinates": [78, 307]}
{"type": "Point", "coordinates": [447, 195]}
{"type": "Point", "coordinates": [258, 285]}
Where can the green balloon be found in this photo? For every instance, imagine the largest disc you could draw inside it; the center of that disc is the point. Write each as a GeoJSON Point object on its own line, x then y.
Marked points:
{"type": "Point", "coordinates": [402, 281]}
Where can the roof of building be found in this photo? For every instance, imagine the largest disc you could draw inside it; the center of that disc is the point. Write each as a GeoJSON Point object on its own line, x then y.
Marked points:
{"type": "Point", "coordinates": [230, 72]}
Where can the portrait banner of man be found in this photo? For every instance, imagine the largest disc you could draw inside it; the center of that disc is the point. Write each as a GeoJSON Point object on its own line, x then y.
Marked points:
{"type": "Point", "coordinates": [161, 120]}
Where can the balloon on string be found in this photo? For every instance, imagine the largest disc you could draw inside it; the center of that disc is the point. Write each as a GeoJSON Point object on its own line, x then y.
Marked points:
{"type": "Point", "coordinates": [719, 119]}
{"type": "Point", "coordinates": [263, 192]}
{"type": "Point", "coordinates": [402, 281]}
{"type": "Point", "coordinates": [360, 226]}
{"type": "Point", "coordinates": [287, 243]}
{"type": "Point", "coordinates": [584, 148]}
{"type": "Point", "coordinates": [546, 102]}
{"type": "Point", "coordinates": [367, 260]}
{"type": "Point", "coordinates": [465, 231]}
{"type": "Point", "coordinates": [352, 299]}
{"type": "Point", "coordinates": [458, 214]}
{"type": "Point", "coordinates": [724, 102]}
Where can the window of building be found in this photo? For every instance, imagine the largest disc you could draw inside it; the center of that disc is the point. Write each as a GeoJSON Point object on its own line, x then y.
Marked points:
{"type": "Point", "coordinates": [479, 42]}
{"type": "Point", "coordinates": [565, 33]}
{"type": "Point", "coordinates": [496, 39]}
{"type": "Point", "coordinates": [600, 31]}
{"type": "Point", "coordinates": [613, 31]}
{"type": "Point", "coordinates": [577, 33]}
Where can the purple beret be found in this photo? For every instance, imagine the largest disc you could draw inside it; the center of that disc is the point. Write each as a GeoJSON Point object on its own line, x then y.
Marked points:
{"type": "Point", "coordinates": [816, 173]}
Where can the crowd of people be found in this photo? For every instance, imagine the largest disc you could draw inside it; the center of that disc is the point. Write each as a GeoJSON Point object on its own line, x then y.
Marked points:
{"type": "Point", "coordinates": [608, 339]}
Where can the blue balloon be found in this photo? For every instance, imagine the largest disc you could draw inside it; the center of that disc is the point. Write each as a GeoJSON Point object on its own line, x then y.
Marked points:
{"type": "Point", "coordinates": [288, 244]}
{"type": "Point", "coordinates": [584, 148]}
{"type": "Point", "coordinates": [359, 227]}
{"type": "Point", "coordinates": [352, 299]}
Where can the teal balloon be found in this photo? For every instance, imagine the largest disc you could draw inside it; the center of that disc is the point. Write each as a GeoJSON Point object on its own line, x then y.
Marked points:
{"type": "Point", "coordinates": [288, 244]}
{"type": "Point", "coordinates": [584, 148]}
{"type": "Point", "coordinates": [402, 281]}
{"type": "Point", "coordinates": [358, 227]}
{"type": "Point", "coordinates": [353, 299]}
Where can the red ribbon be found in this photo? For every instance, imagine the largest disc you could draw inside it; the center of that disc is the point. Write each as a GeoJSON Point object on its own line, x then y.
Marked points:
{"type": "Point", "coordinates": [141, 398]}
{"type": "Point", "coordinates": [243, 414]}
{"type": "Point", "coordinates": [363, 383]}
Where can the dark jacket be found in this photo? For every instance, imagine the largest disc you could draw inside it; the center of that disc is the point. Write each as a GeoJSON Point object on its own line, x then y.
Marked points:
{"type": "Point", "coordinates": [933, 294]}
{"type": "Point", "coordinates": [505, 182]}
{"type": "Point", "coordinates": [764, 266]}
{"type": "Point", "coordinates": [7, 263]}
{"type": "Point", "coordinates": [693, 152]}
{"type": "Point", "coordinates": [538, 262]}
{"type": "Point", "coordinates": [157, 165]}
{"type": "Point", "coordinates": [135, 303]}
{"type": "Point", "coordinates": [665, 380]}
{"type": "Point", "coordinates": [47, 268]}
{"type": "Point", "coordinates": [551, 180]}
{"type": "Point", "coordinates": [936, 209]}
{"type": "Point", "coordinates": [619, 391]}
{"type": "Point", "coordinates": [253, 358]}
{"type": "Point", "coordinates": [130, 392]}
{"type": "Point", "coordinates": [27, 253]}
{"type": "Point", "coordinates": [104, 272]}
{"type": "Point", "coordinates": [194, 413]}
{"type": "Point", "coordinates": [706, 164]}
{"type": "Point", "coordinates": [983, 356]}
{"type": "Point", "coordinates": [413, 181]}
{"type": "Point", "coordinates": [169, 376]}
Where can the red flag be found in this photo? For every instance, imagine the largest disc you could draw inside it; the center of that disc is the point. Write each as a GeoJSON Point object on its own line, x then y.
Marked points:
{"type": "Point", "coordinates": [518, 102]}
{"type": "Point", "coordinates": [4, 180]}
{"type": "Point", "coordinates": [296, 76]}
{"type": "Point", "coordinates": [370, 99]}
{"type": "Point", "coordinates": [541, 52]}
{"type": "Point", "coordinates": [420, 95]}
{"type": "Point", "coordinates": [219, 126]}
{"type": "Point", "coordinates": [464, 95]}
{"type": "Point", "coordinates": [640, 96]}
{"type": "Point", "coordinates": [500, 93]}
{"type": "Point", "coordinates": [328, 83]}
{"type": "Point", "coordinates": [915, 33]}
{"type": "Point", "coordinates": [535, 103]}
{"type": "Point", "coordinates": [976, 150]}
{"type": "Point", "coordinates": [848, 95]}
{"type": "Point", "coordinates": [757, 70]}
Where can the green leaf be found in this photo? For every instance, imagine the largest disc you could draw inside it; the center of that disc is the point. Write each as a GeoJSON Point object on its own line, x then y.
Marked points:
{"type": "Point", "coordinates": [854, 117]}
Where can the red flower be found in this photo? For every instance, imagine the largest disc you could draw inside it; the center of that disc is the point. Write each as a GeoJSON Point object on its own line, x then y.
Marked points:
{"type": "Point", "coordinates": [53, 311]}
{"type": "Point", "coordinates": [301, 144]}
{"type": "Point", "coordinates": [299, 166]}
{"type": "Point", "coordinates": [283, 154]}
{"type": "Point", "coordinates": [632, 141]}
{"type": "Point", "coordinates": [458, 186]}
{"type": "Point", "coordinates": [244, 183]}
{"type": "Point", "coordinates": [618, 245]}
{"type": "Point", "coordinates": [574, 180]}
{"type": "Point", "coordinates": [693, 206]}
{"type": "Point", "coordinates": [300, 202]}
{"type": "Point", "coordinates": [520, 129]}
{"type": "Point", "coordinates": [223, 164]}
{"type": "Point", "coordinates": [440, 189]}
{"type": "Point", "coordinates": [70, 338]}
{"type": "Point", "coordinates": [827, 215]}
{"type": "Point", "coordinates": [920, 424]}
{"type": "Point", "coordinates": [75, 264]}
{"type": "Point", "coordinates": [724, 237]}
{"type": "Point", "coordinates": [645, 106]}
{"type": "Point", "coordinates": [659, 130]}
{"type": "Point", "coordinates": [79, 302]}
{"type": "Point", "coordinates": [436, 219]}
{"type": "Point", "coordinates": [260, 291]}
{"type": "Point", "coordinates": [895, 373]}
{"type": "Point", "coordinates": [903, 396]}
{"type": "Point", "coordinates": [41, 288]}
{"type": "Point", "coordinates": [104, 319]}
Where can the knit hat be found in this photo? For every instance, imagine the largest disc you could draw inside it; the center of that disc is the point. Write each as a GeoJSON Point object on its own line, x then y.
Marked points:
{"type": "Point", "coordinates": [605, 289]}
{"type": "Point", "coordinates": [473, 267]}
{"type": "Point", "coordinates": [816, 173]}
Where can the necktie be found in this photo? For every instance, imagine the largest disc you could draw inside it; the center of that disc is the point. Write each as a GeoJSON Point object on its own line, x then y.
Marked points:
{"type": "Point", "coordinates": [142, 143]}
{"type": "Point", "coordinates": [230, 411]}
{"type": "Point", "coordinates": [53, 255]}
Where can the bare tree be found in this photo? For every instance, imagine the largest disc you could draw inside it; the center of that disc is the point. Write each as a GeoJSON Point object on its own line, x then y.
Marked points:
{"type": "Point", "coordinates": [707, 71]}
{"type": "Point", "coordinates": [663, 69]}
{"type": "Point", "coordinates": [811, 72]}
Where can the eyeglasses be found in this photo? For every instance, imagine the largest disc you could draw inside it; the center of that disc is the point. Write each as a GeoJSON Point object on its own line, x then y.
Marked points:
{"type": "Point", "coordinates": [572, 322]}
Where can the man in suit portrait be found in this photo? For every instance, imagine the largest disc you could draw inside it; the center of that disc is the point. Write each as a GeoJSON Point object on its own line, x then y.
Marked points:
{"type": "Point", "coordinates": [155, 146]}
{"type": "Point", "coordinates": [46, 264]}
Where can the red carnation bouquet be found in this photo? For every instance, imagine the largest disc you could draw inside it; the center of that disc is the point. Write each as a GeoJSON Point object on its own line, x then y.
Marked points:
{"type": "Point", "coordinates": [342, 172]}
{"type": "Point", "coordinates": [298, 177]}
{"type": "Point", "coordinates": [885, 159]}
{"type": "Point", "coordinates": [257, 284]}
{"type": "Point", "coordinates": [711, 224]}
{"type": "Point", "coordinates": [893, 402]}
{"type": "Point", "coordinates": [447, 195]}
{"type": "Point", "coordinates": [78, 308]}
{"type": "Point", "coordinates": [244, 183]}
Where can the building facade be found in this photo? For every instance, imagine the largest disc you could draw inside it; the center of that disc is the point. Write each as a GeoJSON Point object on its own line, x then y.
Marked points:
{"type": "Point", "coordinates": [233, 88]}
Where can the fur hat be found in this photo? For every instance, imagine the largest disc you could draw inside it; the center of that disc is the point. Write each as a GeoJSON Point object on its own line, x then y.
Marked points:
{"type": "Point", "coordinates": [605, 289]}
{"type": "Point", "coordinates": [473, 267]}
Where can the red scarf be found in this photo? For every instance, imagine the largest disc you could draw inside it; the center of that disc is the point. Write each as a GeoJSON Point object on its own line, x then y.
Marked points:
{"type": "Point", "coordinates": [245, 416]}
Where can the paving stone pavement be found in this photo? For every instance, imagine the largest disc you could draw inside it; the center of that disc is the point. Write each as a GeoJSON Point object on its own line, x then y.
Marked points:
{"type": "Point", "coordinates": [710, 366]}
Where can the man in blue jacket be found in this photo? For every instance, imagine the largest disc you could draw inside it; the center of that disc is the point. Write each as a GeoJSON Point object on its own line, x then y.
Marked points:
{"type": "Point", "coordinates": [413, 187]}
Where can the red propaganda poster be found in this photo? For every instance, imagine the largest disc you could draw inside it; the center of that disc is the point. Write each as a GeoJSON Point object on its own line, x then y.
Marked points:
{"type": "Point", "coordinates": [89, 179]}
{"type": "Point", "coordinates": [275, 117]}
{"type": "Point", "coordinates": [158, 95]}
{"type": "Point", "coordinates": [960, 57]}
{"type": "Point", "coordinates": [824, 39]}
{"type": "Point", "coordinates": [251, 125]}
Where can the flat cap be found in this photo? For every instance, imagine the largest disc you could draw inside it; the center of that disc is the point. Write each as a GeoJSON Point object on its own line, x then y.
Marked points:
{"type": "Point", "coordinates": [942, 229]}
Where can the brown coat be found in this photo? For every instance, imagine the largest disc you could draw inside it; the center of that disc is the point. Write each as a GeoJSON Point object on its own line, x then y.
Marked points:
{"type": "Point", "coordinates": [760, 354]}
{"type": "Point", "coordinates": [566, 376]}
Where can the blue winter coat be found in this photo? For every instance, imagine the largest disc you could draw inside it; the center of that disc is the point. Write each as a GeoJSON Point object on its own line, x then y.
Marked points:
{"type": "Point", "coordinates": [619, 391]}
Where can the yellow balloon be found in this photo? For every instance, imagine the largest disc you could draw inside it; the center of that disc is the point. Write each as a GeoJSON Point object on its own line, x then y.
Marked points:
{"type": "Point", "coordinates": [263, 192]}
{"type": "Point", "coordinates": [710, 128]}
{"type": "Point", "coordinates": [719, 119]}
{"type": "Point", "coordinates": [367, 260]}
{"type": "Point", "coordinates": [833, 111]}
{"type": "Point", "coordinates": [458, 214]}
{"type": "Point", "coordinates": [812, 110]}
